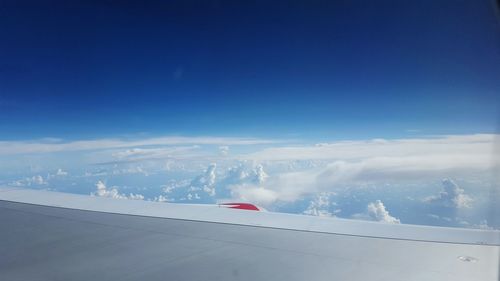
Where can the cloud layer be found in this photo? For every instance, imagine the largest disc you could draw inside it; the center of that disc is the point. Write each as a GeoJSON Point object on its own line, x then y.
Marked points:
{"type": "Point", "coordinates": [56, 145]}
{"type": "Point", "coordinates": [363, 175]}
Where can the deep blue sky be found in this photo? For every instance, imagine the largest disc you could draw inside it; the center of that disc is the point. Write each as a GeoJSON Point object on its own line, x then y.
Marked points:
{"type": "Point", "coordinates": [310, 69]}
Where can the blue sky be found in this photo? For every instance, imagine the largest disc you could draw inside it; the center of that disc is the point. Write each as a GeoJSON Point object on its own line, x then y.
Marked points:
{"type": "Point", "coordinates": [285, 69]}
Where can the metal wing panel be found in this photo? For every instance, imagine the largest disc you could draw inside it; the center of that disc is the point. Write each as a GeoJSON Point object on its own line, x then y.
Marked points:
{"type": "Point", "coordinates": [52, 243]}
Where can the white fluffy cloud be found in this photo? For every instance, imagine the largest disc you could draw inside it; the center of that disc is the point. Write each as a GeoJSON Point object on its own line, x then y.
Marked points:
{"type": "Point", "coordinates": [260, 174]}
{"type": "Point", "coordinates": [246, 174]}
{"type": "Point", "coordinates": [135, 196]}
{"type": "Point", "coordinates": [206, 182]}
{"type": "Point", "coordinates": [30, 181]}
{"type": "Point", "coordinates": [112, 192]}
{"type": "Point", "coordinates": [254, 194]}
{"type": "Point", "coordinates": [209, 180]}
{"type": "Point", "coordinates": [38, 180]}
{"type": "Point", "coordinates": [192, 189]}
{"type": "Point", "coordinates": [451, 196]}
{"type": "Point", "coordinates": [161, 198]}
{"type": "Point", "coordinates": [376, 211]}
{"type": "Point", "coordinates": [61, 172]}
{"type": "Point", "coordinates": [58, 174]}
{"type": "Point", "coordinates": [103, 191]}
{"type": "Point", "coordinates": [193, 196]}
{"type": "Point", "coordinates": [249, 183]}
{"type": "Point", "coordinates": [319, 206]}
{"type": "Point", "coordinates": [256, 185]}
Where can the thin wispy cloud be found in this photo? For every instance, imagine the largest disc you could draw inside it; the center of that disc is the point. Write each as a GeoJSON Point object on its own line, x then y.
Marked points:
{"type": "Point", "coordinates": [57, 145]}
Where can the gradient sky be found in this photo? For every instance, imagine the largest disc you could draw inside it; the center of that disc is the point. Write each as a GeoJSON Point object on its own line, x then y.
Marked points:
{"type": "Point", "coordinates": [321, 69]}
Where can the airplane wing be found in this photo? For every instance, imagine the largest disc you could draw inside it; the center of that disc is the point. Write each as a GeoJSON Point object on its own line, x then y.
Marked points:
{"type": "Point", "coordinates": [56, 236]}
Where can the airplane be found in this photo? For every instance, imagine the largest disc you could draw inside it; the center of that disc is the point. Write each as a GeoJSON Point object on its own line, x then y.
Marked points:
{"type": "Point", "coordinates": [47, 235]}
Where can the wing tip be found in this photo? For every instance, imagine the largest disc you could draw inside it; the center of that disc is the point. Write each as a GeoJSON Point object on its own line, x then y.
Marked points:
{"type": "Point", "coordinates": [241, 206]}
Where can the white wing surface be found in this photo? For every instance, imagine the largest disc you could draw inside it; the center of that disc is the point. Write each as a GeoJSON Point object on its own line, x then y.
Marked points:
{"type": "Point", "coordinates": [57, 236]}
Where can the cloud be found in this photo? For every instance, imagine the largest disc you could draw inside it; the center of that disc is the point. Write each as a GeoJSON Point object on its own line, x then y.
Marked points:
{"type": "Point", "coordinates": [30, 181]}
{"type": "Point", "coordinates": [200, 187]}
{"type": "Point", "coordinates": [135, 196]}
{"type": "Point", "coordinates": [297, 172]}
{"type": "Point", "coordinates": [192, 196]}
{"type": "Point", "coordinates": [237, 174]}
{"type": "Point", "coordinates": [130, 170]}
{"type": "Point", "coordinates": [57, 145]}
{"type": "Point", "coordinates": [173, 184]}
{"type": "Point", "coordinates": [61, 172]}
{"type": "Point", "coordinates": [162, 198]}
{"type": "Point", "coordinates": [319, 206]}
{"type": "Point", "coordinates": [277, 175]}
{"type": "Point", "coordinates": [350, 163]}
{"type": "Point", "coordinates": [38, 180]}
{"type": "Point", "coordinates": [143, 154]}
{"type": "Point", "coordinates": [408, 156]}
{"type": "Point", "coordinates": [244, 173]}
{"type": "Point", "coordinates": [103, 191]}
{"type": "Point", "coordinates": [256, 185]}
{"type": "Point", "coordinates": [249, 183]}
{"type": "Point", "coordinates": [254, 194]}
{"type": "Point", "coordinates": [376, 211]}
{"type": "Point", "coordinates": [404, 168]}
{"type": "Point", "coordinates": [451, 196]}
{"type": "Point", "coordinates": [224, 150]}
{"type": "Point", "coordinates": [483, 224]}
{"type": "Point", "coordinates": [206, 182]}
{"type": "Point", "coordinates": [260, 174]}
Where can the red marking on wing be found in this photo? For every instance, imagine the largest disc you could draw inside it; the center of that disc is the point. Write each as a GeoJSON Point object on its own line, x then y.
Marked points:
{"type": "Point", "coordinates": [241, 206]}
